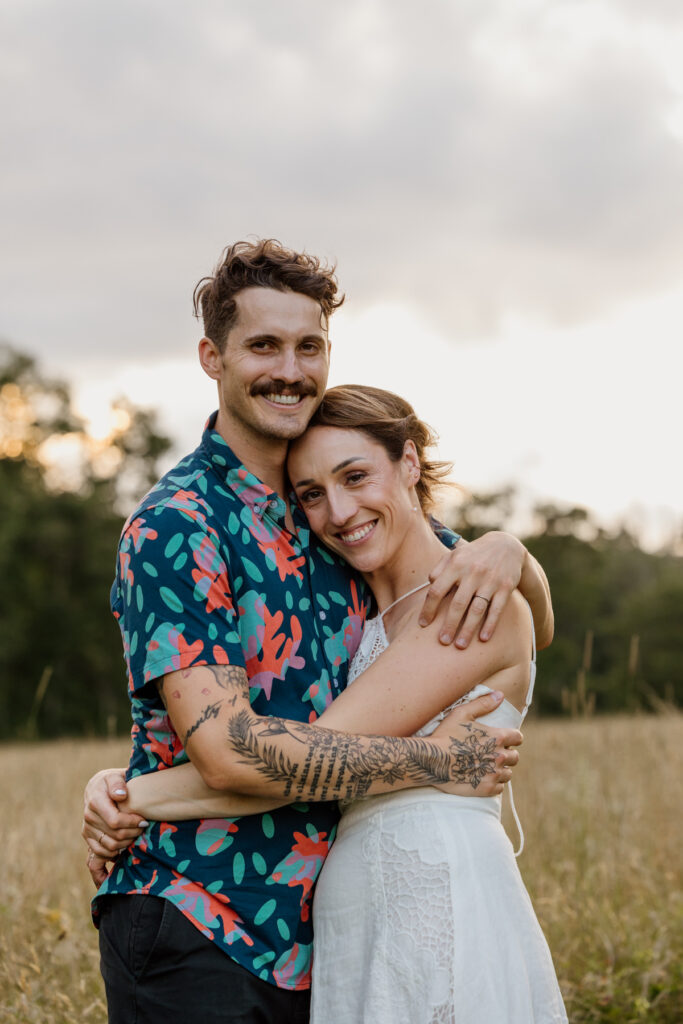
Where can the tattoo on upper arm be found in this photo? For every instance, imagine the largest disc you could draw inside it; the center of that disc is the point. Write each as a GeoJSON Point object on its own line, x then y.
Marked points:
{"type": "Point", "coordinates": [231, 678]}
{"type": "Point", "coordinates": [210, 711]}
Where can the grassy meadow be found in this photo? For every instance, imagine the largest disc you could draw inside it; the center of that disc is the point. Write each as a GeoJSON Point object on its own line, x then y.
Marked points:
{"type": "Point", "coordinates": [600, 800]}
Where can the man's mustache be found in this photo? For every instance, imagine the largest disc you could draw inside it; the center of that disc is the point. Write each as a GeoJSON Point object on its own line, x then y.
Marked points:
{"type": "Point", "coordinates": [278, 387]}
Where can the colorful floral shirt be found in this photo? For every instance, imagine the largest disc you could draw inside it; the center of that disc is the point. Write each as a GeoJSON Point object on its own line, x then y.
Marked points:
{"type": "Point", "coordinates": [209, 574]}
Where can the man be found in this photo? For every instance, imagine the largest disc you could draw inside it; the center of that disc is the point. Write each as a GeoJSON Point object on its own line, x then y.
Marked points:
{"type": "Point", "coordinates": [234, 621]}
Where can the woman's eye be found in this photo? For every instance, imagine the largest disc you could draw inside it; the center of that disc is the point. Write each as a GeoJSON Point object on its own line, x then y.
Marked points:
{"type": "Point", "coordinates": [355, 478]}
{"type": "Point", "coordinates": [309, 496]}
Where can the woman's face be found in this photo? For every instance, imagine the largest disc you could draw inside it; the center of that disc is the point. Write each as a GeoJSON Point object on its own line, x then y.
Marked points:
{"type": "Point", "coordinates": [357, 501]}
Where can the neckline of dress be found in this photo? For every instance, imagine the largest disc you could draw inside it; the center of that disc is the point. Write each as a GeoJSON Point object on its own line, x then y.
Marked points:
{"type": "Point", "coordinates": [408, 593]}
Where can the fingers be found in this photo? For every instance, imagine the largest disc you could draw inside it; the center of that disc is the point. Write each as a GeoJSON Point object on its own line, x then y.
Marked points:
{"type": "Point", "coordinates": [116, 786]}
{"type": "Point", "coordinates": [108, 844]}
{"type": "Point", "coordinates": [494, 612]}
{"type": "Point", "coordinates": [474, 618]}
{"type": "Point", "coordinates": [483, 705]}
{"type": "Point", "coordinates": [97, 866]}
{"type": "Point", "coordinates": [509, 758]}
{"type": "Point", "coordinates": [436, 591]}
{"type": "Point", "coordinates": [102, 812]}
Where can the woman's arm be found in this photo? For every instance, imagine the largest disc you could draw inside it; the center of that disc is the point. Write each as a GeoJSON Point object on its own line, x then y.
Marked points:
{"type": "Point", "coordinates": [177, 794]}
{"type": "Point", "coordinates": [116, 811]}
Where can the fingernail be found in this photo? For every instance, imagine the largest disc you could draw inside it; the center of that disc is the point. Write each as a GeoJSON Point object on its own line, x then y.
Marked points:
{"type": "Point", "coordinates": [445, 638]}
{"type": "Point", "coordinates": [484, 636]}
{"type": "Point", "coordinates": [143, 823]}
{"type": "Point", "coordinates": [497, 694]}
{"type": "Point", "coordinates": [461, 643]}
{"type": "Point", "coordinates": [119, 792]}
{"type": "Point", "coordinates": [421, 621]}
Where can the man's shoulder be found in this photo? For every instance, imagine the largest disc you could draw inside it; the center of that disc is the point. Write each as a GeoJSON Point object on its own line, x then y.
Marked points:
{"type": "Point", "coordinates": [182, 500]}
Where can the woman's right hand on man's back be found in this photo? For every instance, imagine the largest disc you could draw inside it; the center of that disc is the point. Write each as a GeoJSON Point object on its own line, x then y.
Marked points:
{"type": "Point", "coordinates": [107, 828]}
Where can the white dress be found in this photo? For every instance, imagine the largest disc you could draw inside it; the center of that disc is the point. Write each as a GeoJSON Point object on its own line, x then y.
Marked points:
{"type": "Point", "coordinates": [420, 913]}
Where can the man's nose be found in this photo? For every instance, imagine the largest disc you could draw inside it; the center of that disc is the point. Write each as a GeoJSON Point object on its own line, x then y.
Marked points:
{"type": "Point", "coordinates": [288, 368]}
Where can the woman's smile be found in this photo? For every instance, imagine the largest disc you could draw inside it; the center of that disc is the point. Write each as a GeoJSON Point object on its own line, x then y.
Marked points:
{"type": "Point", "coordinates": [357, 534]}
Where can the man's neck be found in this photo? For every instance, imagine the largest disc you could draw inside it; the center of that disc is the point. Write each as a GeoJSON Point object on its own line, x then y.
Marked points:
{"type": "Point", "coordinates": [263, 456]}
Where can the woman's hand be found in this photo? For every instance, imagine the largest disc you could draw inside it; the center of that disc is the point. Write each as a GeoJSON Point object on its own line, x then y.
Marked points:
{"type": "Point", "coordinates": [484, 573]}
{"type": "Point", "coordinates": [107, 828]}
{"type": "Point", "coordinates": [488, 754]}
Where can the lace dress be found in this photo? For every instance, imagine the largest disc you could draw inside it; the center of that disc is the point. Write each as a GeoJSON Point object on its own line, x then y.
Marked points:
{"type": "Point", "coordinates": [420, 913]}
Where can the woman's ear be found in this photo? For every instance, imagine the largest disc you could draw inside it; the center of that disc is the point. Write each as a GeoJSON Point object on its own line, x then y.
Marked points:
{"type": "Point", "coordinates": [411, 461]}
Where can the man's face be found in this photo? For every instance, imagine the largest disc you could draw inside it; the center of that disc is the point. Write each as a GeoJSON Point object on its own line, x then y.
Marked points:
{"type": "Point", "coordinates": [273, 372]}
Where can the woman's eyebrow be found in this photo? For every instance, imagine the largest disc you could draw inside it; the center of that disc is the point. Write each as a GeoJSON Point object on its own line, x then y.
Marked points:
{"type": "Point", "coordinates": [335, 469]}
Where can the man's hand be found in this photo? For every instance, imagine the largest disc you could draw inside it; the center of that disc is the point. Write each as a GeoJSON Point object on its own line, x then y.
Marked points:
{"type": "Point", "coordinates": [106, 828]}
{"type": "Point", "coordinates": [487, 755]}
{"type": "Point", "coordinates": [485, 572]}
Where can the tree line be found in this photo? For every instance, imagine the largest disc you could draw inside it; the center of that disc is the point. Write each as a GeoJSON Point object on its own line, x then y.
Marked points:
{"type": "Point", "coordinates": [618, 609]}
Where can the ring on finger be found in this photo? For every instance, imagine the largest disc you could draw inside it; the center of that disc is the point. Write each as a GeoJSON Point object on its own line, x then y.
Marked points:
{"type": "Point", "coordinates": [100, 838]}
{"type": "Point", "coordinates": [482, 598]}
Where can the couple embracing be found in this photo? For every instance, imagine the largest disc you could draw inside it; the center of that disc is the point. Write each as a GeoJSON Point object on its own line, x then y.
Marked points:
{"type": "Point", "coordinates": [291, 554]}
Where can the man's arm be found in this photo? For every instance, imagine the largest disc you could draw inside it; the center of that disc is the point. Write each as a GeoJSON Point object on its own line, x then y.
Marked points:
{"type": "Point", "coordinates": [234, 748]}
{"type": "Point", "coordinates": [485, 572]}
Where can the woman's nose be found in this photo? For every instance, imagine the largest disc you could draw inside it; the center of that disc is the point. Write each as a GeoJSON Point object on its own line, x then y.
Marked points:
{"type": "Point", "coordinates": [342, 507]}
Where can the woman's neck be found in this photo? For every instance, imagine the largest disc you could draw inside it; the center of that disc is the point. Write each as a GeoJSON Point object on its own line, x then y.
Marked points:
{"type": "Point", "coordinates": [411, 565]}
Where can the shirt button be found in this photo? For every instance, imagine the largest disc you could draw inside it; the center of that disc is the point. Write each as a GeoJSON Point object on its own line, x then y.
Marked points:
{"type": "Point", "coordinates": [322, 615]}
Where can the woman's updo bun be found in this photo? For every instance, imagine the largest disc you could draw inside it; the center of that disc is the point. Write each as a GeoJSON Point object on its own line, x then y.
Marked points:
{"type": "Point", "coordinates": [390, 421]}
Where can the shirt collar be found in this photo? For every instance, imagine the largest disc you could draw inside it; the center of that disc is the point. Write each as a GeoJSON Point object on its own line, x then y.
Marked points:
{"type": "Point", "coordinates": [248, 488]}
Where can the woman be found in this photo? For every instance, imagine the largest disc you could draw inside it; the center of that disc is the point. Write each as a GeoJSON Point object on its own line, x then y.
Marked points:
{"type": "Point", "coordinates": [420, 912]}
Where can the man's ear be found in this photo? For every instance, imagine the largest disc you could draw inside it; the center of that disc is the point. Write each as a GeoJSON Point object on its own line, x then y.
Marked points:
{"type": "Point", "coordinates": [210, 358]}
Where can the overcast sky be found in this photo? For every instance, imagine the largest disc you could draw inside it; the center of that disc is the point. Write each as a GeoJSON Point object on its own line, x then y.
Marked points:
{"type": "Point", "coordinates": [500, 182]}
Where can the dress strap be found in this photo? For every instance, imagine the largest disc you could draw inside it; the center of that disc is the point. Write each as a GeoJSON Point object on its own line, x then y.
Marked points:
{"type": "Point", "coordinates": [518, 823]}
{"type": "Point", "coordinates": [408, 594]}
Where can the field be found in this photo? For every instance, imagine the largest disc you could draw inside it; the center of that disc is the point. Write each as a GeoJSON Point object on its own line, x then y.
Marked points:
{"type": "Point", "coordinates": [600, 801]}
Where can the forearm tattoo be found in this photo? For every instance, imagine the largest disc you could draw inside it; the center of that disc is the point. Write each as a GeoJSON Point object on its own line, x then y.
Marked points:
{"type": "Point", "coordinates": [322, 764]}
{"type": "Point", "coordinates": [335, 766]}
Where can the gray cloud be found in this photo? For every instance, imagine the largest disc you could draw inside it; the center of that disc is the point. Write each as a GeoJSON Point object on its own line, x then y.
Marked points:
{"type": "Point", "coordinates": [467, 158]}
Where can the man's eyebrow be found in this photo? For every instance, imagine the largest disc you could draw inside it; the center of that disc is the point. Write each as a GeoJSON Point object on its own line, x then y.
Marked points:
{"type": "Point", "coordinates": [271, 336]}
{"type": "Point", "coordinates": [335, 469]}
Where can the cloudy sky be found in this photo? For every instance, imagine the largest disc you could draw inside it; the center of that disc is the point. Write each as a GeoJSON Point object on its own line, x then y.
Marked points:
{"type": "Point", "coordinates": [499, 181]}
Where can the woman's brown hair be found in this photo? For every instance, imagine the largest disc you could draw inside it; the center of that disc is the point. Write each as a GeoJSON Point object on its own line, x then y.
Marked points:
{"type": "Point", "coordinates": [390, 421]}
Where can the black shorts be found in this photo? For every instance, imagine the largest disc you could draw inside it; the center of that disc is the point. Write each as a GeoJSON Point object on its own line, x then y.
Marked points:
{"type": "Point", "coordinates": [159, 969]}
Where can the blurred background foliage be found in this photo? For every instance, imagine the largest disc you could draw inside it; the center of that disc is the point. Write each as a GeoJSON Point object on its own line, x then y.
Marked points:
{"type": "Point", "coordinates": [64, 494]}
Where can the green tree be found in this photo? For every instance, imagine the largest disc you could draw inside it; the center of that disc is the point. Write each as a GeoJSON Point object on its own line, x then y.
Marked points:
{"type": "Point", "coordinates": [57, 550]}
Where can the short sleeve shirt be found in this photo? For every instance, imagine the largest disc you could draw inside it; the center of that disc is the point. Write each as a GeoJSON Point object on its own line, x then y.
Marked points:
{"type": "Point", "coordinates": [208, 573]}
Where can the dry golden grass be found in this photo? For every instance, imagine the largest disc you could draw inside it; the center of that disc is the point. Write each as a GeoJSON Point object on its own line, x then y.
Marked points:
{"type": "Point", "coordinates": [600, 801]}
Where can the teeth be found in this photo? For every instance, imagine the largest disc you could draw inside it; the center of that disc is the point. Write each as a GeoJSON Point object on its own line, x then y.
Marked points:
{"type": "Point", "coordinates": [363, 531]}
{"type": "Point", "coordinates": [284, 399]}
